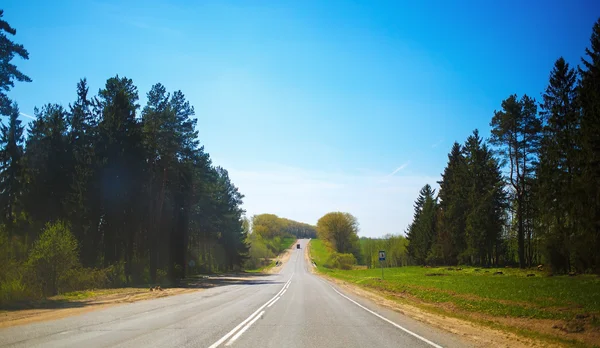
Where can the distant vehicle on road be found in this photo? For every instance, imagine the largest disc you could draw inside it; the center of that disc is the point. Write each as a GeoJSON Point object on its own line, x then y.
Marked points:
{"type": "Point", "coordinates": [297, 246]}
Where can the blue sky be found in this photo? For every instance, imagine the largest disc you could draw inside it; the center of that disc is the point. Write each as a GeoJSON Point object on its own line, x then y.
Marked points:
{"type": "Point", "coordinates": [312, 106]}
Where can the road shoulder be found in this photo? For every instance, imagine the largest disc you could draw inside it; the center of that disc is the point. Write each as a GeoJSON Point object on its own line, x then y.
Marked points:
{"type": "Point", "coordinates": [478, 335]}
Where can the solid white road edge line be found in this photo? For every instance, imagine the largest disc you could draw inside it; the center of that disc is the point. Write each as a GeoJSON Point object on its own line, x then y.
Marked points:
{"type": "Point", "coordinates": [237, 335]}
{"type": "Point", "coordinates": [222, 339]}
{"type": "Point", "coordinates": [272, 303]}
{"type": "Point", "coordinates": [283, 292]}
{"type": "Point", "coordinates": [386, 319]}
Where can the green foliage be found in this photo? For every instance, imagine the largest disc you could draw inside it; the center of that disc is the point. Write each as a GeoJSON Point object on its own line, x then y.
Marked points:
{"type": "Point", "coordinates": [12, 285]}
{"type": "Point", "coordinates": [259, 254]}
{"type": "Point", "coordinates": [52, 256]}
{"type": "Point", "coordinates": [340, 261]}
{"type": "Point", "coordinates": [453, 204]}
{"type": "Point", "coordinates": [270, 226]}
{"type": "Point", "coordinates": [11, 167]}
{"type": "Point", "coordinates": [394, 246]}
{"type": "Point", "coordinates": [422, 232]}
{"type": "Point", "coordinates": [340, 232]}
{"type": "Point", "coordinates": [79, 278]}
{"type": "Point", "coordinates": [588, 202]}
{"type": "Point", "coordinates": [13, 291]}
{"type": "Point", "coordinates": [516, 132]}
{"type": "Point", "coordinates": [8, 71]}
{"type": "Point", "coordinates": [486, 200]}
{"type": "Point", "coordinates": [558, 169]}
{"type": "Point", "coordinates": [140, 193]}
{"type": "Point", "coordinates": [546, 209]}
{"type": "Point", "coordinates": [48, 172]}
{"type": "Point", "coordinates": [263, 250]}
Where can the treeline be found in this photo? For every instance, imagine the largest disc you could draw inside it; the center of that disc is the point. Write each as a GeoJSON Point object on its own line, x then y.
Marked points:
{"type": "Point", "coordinates": [270, 235]}
{"type": "Point", "coordinates": [132, 184]}
{"type": "Point", "coordinates": [339, 232]}
{"type": "Point", "coordinates": [543, 204]}
{"type": "Point", "coordinates": [395, 247]}
{"type": "Point", "coordinates": [270, 226]}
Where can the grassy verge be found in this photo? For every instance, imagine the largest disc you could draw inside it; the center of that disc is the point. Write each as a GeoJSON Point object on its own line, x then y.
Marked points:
{"type": "Point", "coordinates": [484, 294]}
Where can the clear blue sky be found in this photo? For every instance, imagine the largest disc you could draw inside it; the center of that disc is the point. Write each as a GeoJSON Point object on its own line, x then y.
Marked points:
{"type": "Point", "coordinates": [312, 105]}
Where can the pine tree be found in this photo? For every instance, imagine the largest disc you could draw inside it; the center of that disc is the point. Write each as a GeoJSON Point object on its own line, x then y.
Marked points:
{"type": "Point", "coordinates": [121, 153]}
{"type": "Point", "coordinates": [422, 231]}
{"type": "Point", "coordinates": [557, 195]}
{"type": "Point", "coordinates": [516, 131]}
{"type": "Point", "coordinates": [232, 237]}
{"type": "Point", "coordinates": [8, 71]}
{"type": "Point", "coordinates": [453, 203]}
{"type": "Point", "coordinates": [48, 156]}
{"type": "Point", "coordinates": [589, 97]}
{"type": "Point", "coordinates": [486, 202]}
{"type": "Point", "coordinates": [11, 168]}
{"type": "Point", "coordinates": [81, 204]}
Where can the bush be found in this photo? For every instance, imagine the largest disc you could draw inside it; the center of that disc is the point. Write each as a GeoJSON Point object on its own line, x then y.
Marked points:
{"type": "Point", "coordinates": [52, 256]}
{"type": "Point", "coordinates": [115, 274]}
{"type": "Point", "coordinates": [341, 261]}
{"type": "Point", "coordinates": [259, 254]}
{"type": "Point", "coordinates": [82, 279]}
{"type": "Point", "coordinates": [14, 291]}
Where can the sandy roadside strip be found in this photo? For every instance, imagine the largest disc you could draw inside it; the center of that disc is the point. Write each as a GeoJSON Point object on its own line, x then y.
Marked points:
{"type": "Point", "coordinates": [283, 258]}
{"type": "Point", "coordinates": [480, 336]}
{"type": "Point", "coordinates": [127, 295]}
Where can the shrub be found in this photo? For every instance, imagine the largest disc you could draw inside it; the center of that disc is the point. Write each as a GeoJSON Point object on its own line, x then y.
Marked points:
{"type": "Point", "coordinates": [259, 253]}
{"type": "Point", "coordinates": [341, 261]}
{"type": "Point", "coordinates": [82, 279]}
{"type": "Point", "coordinates": [115, 274]}
{"type": "Point", "coordinates": [52, 256]}
{"type": "Point", "coordinates": [14, 291]}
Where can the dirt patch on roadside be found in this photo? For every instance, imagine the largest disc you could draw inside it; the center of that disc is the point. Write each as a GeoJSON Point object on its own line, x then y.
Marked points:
{"type": "Point", "coordinates": [481, 336]}
{"type": "Point", "coordinates": [283, 258]}
{"type": "Point", "coordinates": [59, 308]}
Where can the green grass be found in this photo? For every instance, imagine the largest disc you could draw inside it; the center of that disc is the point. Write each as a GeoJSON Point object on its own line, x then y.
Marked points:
{"type": "Point", "coordinates": [319, 253]}
{"type": "Point", "coordinates": [78, 295]}
{"type": "Point", "coordinates": [286, 243]}
{"type": "Point", "coordinates": [86, 294]}
{"type": "Point", "coordinates": [512, 294]}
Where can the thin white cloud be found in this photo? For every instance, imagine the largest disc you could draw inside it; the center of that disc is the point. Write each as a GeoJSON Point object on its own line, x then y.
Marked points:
{"type": "Point", "coordinates": [399, 169]}
{"type": "Point", "coordinates": [437, 143]}
{"type": "Point", "coordinates": [28, 116]}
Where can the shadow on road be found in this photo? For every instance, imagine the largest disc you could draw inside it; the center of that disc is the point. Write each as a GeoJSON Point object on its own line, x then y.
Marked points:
{"type": "Point", "coordinates": [134, 293]}
{"type": "Point", "coordinates": [203, 282]}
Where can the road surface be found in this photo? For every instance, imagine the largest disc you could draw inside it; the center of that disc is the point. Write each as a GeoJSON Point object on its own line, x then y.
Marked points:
{"type": "Point", "coordinates": [291, 309]}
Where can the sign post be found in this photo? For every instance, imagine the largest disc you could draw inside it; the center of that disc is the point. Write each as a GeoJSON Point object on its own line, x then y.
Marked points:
{"type": "Point", "coordinates": [381, 259]}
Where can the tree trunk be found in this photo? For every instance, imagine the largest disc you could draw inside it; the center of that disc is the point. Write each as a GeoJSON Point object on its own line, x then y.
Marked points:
{"type": "Point", "coordinates": [521, 232]}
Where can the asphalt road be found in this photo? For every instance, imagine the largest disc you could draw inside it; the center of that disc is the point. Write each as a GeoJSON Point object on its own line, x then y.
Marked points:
{"type": "Point", "coordinates": [291, 309]}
